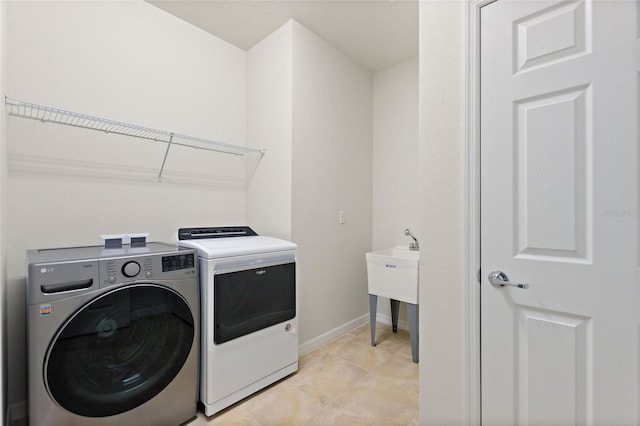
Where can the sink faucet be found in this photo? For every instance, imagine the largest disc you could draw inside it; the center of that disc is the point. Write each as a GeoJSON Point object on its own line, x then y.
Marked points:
{"type": "Point", "coordinates": [414, 245]}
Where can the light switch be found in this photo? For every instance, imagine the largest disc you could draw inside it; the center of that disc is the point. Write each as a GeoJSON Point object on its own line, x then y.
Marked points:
{"type": "Point", "coordinates": [342, 217]}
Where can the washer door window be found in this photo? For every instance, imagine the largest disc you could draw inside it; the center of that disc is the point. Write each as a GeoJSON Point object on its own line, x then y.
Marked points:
{"type": "Point", "coordinates": [119, 350]}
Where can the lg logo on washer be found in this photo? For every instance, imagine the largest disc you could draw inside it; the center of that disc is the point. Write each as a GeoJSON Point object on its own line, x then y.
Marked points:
{"type": "Point", "coordinates": [46, 269]}
{"type": "Point", "coordinates": [261, 271]}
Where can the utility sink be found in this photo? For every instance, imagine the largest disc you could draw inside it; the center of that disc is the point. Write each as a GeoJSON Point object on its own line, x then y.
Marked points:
{"type": "Point", "coordinates": [393, 273]}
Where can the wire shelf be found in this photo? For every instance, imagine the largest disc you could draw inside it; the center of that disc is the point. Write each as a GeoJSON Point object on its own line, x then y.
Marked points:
{"type": "Point", "coordinates": [59, 116]}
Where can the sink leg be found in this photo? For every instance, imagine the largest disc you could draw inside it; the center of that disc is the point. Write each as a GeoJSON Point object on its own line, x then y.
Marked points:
{"type": "Point", "coordinates": [395, 307]}
{"type": "Point", "coordinates": [373, 307]}
{"type": "Point", "coordinates": [412, 313]}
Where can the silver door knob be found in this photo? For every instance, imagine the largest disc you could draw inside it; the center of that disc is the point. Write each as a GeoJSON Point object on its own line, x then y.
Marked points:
{"type": "Point", "coordinates": [500, 279]}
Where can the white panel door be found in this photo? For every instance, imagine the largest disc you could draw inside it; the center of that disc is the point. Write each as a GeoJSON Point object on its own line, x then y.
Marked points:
{"type": "Point", "coordinates": [559, 211]}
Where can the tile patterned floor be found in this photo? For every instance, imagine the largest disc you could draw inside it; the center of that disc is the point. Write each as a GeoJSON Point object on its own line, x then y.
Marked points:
{"type": "Point", "coordinates": [344, 382]}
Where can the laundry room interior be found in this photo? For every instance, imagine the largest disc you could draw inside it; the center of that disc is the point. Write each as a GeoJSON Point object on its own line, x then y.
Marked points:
{"type": "Point", "coordinates": [337, 161]}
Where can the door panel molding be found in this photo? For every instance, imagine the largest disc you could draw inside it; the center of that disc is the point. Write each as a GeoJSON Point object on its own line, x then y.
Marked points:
{"type": "Point", "coordinates": [553, 220]}
{"type": "Point", "coordinates": [568, 22]}
{"type": "Point", "coordinates": [572, 335]}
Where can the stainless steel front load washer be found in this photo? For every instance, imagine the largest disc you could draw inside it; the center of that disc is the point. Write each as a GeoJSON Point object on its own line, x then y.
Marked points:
{"type": "Point", "coordinates": [113, 335]}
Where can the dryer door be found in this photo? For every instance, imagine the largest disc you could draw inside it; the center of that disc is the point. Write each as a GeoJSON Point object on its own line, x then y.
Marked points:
{"type": "Point", "coordinates": [119, 350]}
{"type": "Point", "coordinates": [248, 300]}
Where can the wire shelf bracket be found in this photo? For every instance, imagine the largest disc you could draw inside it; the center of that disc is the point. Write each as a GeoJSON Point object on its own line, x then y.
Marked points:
{"type": "Point", "coordinates": [49, 114]}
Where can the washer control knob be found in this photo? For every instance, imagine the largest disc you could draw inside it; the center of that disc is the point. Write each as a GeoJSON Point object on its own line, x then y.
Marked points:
{"type": "Point", "coordinates": [131, 269]}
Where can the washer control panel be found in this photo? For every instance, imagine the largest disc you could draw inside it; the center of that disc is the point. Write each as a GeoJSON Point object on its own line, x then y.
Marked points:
{"type": "Point", "coordinates": [178, 262]}
{"type": "Point", "coordinates": [131, 269]}
{"type": "Point", "coordinates": [118, 270]}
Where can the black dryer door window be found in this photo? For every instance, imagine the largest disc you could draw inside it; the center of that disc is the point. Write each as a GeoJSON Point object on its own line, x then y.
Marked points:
{"type": "Point", "coordinates": [119, 350]}
{"type": "Point", "coordinates": [249, 300]}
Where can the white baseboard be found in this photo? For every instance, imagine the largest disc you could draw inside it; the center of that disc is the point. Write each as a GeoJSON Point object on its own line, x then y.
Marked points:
{"type": "Point", "coordinates": [17, 412]}
{"type": "Point", "coordinates": [316, 342]}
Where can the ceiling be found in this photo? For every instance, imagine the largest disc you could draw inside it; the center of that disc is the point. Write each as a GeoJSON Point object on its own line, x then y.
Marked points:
{"type": "Point", "coordinates": [376, 33]}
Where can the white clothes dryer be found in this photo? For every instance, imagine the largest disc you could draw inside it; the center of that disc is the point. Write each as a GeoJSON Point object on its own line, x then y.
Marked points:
{"type": "Point", "coordinates": [249, 312]}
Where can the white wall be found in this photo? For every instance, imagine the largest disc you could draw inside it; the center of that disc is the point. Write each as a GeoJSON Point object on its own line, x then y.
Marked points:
{"type": "Point", "coordinates": [311, 107]}
{"type": "Point", "coordinates": [127, 61]}
{"type": "Point", "coordinates": [396, 177]}
{"type": "Point", "coordinates": [395, 155]}
{"type": "Point", "coordinates": [269, 99]}
{"type": "Point", "coordinates": [332, 171]}
{"type": "Point", "coordinates": [442, 133]}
